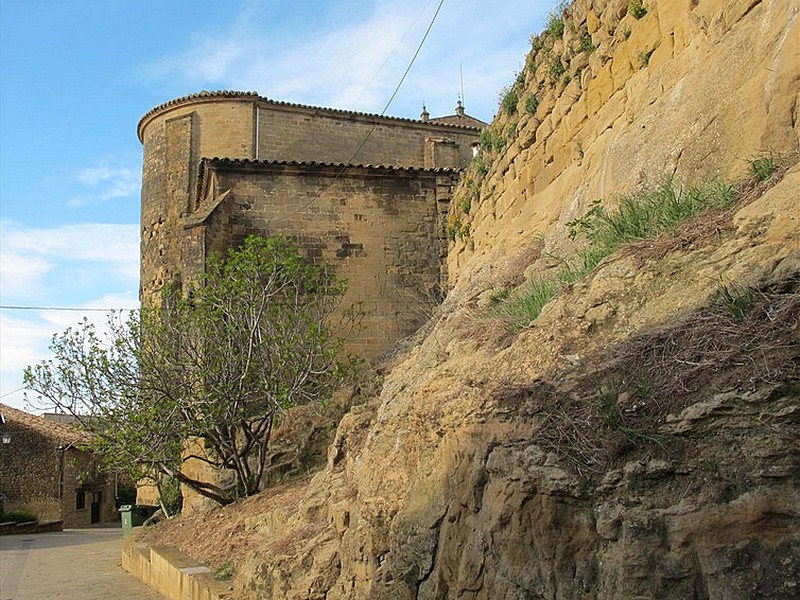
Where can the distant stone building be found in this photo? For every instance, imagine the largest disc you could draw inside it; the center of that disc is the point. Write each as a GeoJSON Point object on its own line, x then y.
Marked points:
{"type": "Point", "coordinates": [368, 193]}
{"type": "Point", "coordinates": [44, 471]}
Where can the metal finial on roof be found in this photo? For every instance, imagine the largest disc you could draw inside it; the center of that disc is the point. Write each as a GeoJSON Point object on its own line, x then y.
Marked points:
{"type": "Point", "coordinates": [460, 108]}
{"type": "Point", "coordinates": [425, 114]}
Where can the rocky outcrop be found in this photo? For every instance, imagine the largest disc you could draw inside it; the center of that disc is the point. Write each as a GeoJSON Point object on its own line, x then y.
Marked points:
{"type": "Point", "coordinates": [641, 437]}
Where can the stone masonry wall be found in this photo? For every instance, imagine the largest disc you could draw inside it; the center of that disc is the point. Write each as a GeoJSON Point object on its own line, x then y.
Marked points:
{"type": "Point", "coordinates": [42, 475]}
{"type": "Point", "coordinates": [28, 472]}
{"type": "Point", "coordinates": [381, 228]}
{"type": "Point", "coordinates": [320, 135]}
{"type": "Point", "coordinates": [178, 135]}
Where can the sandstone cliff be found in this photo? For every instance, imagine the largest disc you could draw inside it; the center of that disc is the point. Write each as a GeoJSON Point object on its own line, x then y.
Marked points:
{"type": "Point", "coordinates": [640, 438]}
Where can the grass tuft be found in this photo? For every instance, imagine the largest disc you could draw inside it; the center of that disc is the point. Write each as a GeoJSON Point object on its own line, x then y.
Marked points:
{"type": "Point", "coordinates": [762, 167]}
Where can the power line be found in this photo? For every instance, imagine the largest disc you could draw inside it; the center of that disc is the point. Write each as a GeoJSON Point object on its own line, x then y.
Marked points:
{"type": "Point", "coordinates": [22, 389]}
{"type": "Point", "coordinates": [62, 308]}
{"type": "Point", "coordinates": [340, 171]}
{"type": "Point", "coordinates": [402, 79]}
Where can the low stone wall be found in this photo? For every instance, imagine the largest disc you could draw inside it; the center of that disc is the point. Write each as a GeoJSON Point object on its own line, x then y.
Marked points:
{"type": "Point", "coordinates": [13, 528]}
{"type": "Point", "coordinates": [171, 573]}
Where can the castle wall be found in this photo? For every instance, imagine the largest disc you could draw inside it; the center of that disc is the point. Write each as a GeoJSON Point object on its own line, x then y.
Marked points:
{"type": "Point", "coordinates": [381, 228]}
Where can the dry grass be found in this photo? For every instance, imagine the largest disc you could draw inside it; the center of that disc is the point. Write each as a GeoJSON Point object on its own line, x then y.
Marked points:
{"type": "Point", "coordinates": [620, 409]}
{"type": "Point", "coordinates": [219, 536]}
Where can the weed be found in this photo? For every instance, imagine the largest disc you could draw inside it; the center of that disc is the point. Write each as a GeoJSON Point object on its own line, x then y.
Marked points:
{"type": "Point", "coordinates": [762, 167]}
{"type": "Point", "coordinates": [646, 213]}
{"type": "Point", "coordinates": [555, 23]}
{"type": "Point", "coordinates": [508, 101]}
{"type": "Point", "coordinates": [738, 301]}
{"type": "Point", "coordinates": [498, 294]}
{"type": "Point", "coordinates": [481, 166]}
{"type": "Point", "coordinates": [587, 45]}
{"type": "Point", "coordinates": [627, 34]}
{"type": "Point", "coordinates": [453, 227]}
{"type": "Point", "coordinates": [555, 67]}
{"type": "Point", "coordinates": [224, 572]}
{"type": "Point", "coordinates": [465, 204]}
{"type": "Point", "coordinates": [525, 307]}
{"type": "Point", "coordinates": [531, 104]}
{"type": "Point", "coordinates": [511, 131]}
{"type": "Point", "coordinates": [644, 57]}
{"type": "Point", "coordinates": [637, 9]}
{"type": "Point", "coordinates": [491, 140]}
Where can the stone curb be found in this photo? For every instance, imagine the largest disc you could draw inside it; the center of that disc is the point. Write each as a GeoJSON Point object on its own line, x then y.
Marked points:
{"type": "Point", "coordinates": [171, 572]}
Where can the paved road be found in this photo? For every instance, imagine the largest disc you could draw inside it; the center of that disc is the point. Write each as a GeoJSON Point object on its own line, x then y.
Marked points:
{"type": "Point", "coordinates": [75, 564]}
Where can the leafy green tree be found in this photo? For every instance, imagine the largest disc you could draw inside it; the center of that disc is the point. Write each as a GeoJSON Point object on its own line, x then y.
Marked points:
{"type": "Point", "coordinates": [256, 334]}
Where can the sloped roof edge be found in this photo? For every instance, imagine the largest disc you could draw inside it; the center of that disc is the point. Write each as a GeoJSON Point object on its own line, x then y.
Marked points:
{"type": "Point", "coordinates": [221, 161]}
{"type": "Point", "coordinates": [58, 431]}
{"type": "Point", "coordinates": [255, 97]}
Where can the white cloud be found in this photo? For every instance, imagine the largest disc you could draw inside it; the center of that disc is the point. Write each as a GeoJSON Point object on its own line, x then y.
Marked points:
{"type": "Point", "coordinates": [355, 63]}
{"type": "Point", "coordinates": [110, 243]}
{"type": "Point", "coordinates": [21, 272]}
{"type": "Point", "coordinates": [104, 182]}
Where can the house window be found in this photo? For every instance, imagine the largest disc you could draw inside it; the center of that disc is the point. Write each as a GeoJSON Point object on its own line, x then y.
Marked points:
{"type": "Point", "coordinates": [80, 500]}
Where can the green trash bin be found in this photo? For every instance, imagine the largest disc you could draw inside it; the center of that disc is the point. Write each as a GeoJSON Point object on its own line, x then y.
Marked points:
{"type": "Point", "coordinates": [134, 516]}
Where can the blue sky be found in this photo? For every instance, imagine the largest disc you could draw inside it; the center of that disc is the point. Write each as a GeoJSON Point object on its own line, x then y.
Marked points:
{"type": "Point", "coordinates": [76, 76]}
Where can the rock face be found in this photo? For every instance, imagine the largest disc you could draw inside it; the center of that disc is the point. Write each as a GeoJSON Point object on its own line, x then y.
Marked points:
{"type": "Point", "coordinates": [641, 437]}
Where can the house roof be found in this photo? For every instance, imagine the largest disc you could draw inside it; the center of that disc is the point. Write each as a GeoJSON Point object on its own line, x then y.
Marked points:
{"type": "Point", "coordinates": [59, 432]}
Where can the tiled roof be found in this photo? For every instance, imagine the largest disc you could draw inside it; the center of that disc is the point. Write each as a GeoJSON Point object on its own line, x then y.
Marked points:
{"type": "Point", "coordinates": [57, 431]}
{"type": "Point", "coordinates": [460, 121]}
{"type": "Point", "coordinates": [219, 161]}
{"type": "Point", "coordinates": [254, 96]}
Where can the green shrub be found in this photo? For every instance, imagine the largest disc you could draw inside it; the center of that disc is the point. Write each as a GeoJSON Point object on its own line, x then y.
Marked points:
{"type": "Point", "coordinates": [637, 9]}
{"type": "Point", "coordinates": [531, 104]}
{"type": "Point", "coordinates": [17, 516]}
{"type": "Point", "coordinates": [555, 23]}
{"type": "Point", "coordinates": [481, 165]}
{"type": "Point", "coordinates": [171, 495]}
{"type": "Point", "coordinates": [465, 204]}
{"type": "Point", "coordinates": [555, 67]}
{"type": "Point", "coordinates": [587, 45]}
{"type": "Point", "coordinates": [453, 227]}
{"type": "Point", "coordinates": [224, 572]}
{"type": "Point", "coordinates": [491, 140]}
